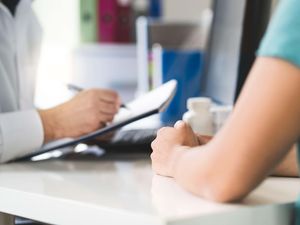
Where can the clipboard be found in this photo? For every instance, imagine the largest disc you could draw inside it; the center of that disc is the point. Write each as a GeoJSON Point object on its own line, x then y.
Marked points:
{"type": "Point", "coordinates": [151, 103]}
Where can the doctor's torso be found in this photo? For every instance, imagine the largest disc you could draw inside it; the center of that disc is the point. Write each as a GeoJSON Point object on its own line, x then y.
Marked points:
{"type": "Point", "coordinates": [20, 38]}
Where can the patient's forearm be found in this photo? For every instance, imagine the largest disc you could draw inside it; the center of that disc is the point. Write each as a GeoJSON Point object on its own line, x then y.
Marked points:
{"type": "Point", "coordinates": [288, 167]}
{"type": "Point", "coordinates": [250, 145]}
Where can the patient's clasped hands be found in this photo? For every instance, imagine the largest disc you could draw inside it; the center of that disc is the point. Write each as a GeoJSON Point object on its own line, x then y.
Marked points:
{"type": "Point", "coordinates": [169, 145]}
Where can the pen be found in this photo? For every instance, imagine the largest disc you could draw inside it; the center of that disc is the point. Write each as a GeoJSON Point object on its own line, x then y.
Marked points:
{"type": "Point", "coordinates": [75, 88]}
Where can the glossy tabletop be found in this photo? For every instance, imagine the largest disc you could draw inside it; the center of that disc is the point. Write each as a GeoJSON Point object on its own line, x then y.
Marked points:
{"type": "Point", "coordinates": [127, 192]}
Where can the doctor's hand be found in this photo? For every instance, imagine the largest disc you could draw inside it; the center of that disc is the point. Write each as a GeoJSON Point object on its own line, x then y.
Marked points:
{"type": "Point", "coordinates": [85, 113]}
{"type": "Point", "coordinates": [169, 144]}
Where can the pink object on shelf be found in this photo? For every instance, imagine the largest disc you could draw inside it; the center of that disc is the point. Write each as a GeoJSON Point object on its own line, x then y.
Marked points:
{"type": "Point", "coordinates": [115, 21]}
{"type": "Point", "coordinates": [108, 20]}
{"type": "Point", "coordinates": [124, 28]}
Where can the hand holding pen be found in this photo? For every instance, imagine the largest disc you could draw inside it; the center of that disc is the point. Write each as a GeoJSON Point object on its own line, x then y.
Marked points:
{"type": "Point", "coordinates": [77, 89]}
{"type": "Point", "coordinates": [86, 112]}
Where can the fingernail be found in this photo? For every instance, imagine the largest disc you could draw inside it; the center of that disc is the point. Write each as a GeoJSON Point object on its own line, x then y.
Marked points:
{"type": "Point", "coordinates": [179, 124]}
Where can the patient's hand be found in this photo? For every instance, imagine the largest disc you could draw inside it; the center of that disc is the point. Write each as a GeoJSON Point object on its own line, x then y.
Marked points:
{"type": "Point", "coordinates": [203, 139]}
{"type": "Point", "coordinates": [187, 135]}
{"type": "Point", "coordinates": [169, 143]}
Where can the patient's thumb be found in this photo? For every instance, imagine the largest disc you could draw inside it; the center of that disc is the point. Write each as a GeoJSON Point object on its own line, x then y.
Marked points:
{"type": "Point", "coordinates": [180, 125]}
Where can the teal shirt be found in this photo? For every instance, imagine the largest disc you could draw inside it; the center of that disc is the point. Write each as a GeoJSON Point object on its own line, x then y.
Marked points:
{"type": "Point", "coordinates": [282, 40]}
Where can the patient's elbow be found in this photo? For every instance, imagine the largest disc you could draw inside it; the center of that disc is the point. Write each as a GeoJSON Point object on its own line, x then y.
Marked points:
{"type": "Point", "coordinates": [225, 190]}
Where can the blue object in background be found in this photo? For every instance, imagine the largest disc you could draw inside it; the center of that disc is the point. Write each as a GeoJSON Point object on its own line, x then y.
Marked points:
{"type": "Point", "coordinates": [155, 8]}
{"type": "Point", "coordinates": [186, 67]}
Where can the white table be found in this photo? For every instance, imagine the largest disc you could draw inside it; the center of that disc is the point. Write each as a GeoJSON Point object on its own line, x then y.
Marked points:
{"type": "Point", "coordinates": [126, 192]}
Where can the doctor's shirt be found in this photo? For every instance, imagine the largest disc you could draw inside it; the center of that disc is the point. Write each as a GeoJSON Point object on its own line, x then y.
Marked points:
{"type": "Point", "coordinates": [21, 130]}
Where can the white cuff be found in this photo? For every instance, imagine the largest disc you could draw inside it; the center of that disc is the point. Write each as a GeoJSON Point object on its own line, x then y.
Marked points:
{"type": "Point", "coordinates": [21, 133]}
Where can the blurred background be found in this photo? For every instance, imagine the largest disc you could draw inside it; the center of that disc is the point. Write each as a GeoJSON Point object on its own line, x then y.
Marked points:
{"type": "Point", "coordinates": [93, 43]}
{"type": "Point", "coordinates": [133, 46]}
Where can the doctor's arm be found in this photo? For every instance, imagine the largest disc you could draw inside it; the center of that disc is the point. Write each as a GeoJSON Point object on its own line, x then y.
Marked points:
{"type": "Point", "coordinates": [258, 135]}
{"type": "Point", "coordinates": [85, 113]}
{"type": "Point", "coordinates": [21, 133]}
{"type": "Point", "coordinates": [24, 132]}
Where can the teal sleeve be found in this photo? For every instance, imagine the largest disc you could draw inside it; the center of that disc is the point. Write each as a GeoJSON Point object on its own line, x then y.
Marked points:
{"type": "Point", "coordinates": [282, 39]}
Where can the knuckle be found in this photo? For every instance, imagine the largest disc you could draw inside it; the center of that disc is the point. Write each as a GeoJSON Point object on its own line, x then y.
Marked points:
{"type": "Point", "coordinates": [161, 131]}
{"type": "Point", "coordinates": [106, 118]}
{"type": "Point", "coordinates": [108, 107]}
{"type": "Point", "coordinates": [164, 131]}
{"type": "Point", "coordinates": [153, 157]}
{"type": "Point", "coordinates": [185, 126]}
{"type": "Point", "coordinates": [110, 118]}
{"type": "Point", "coordinates": [113, 107]}
{"type": "Point", "coordinates": [153, 144]}
{"type": "Point", "coordinates": [114, 94]}
{"type": "Point", "coordinates": [107, 91]}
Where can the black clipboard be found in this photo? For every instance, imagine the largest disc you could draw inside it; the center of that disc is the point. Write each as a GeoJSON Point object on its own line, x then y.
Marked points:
{"type": "Point", "coordinates": [154, 102]}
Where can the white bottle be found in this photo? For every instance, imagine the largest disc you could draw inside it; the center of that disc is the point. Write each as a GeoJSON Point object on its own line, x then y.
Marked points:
{"type": "Point", "coordinates": [199, 116]}
{"type": "Point", "coordinates": [220, 115]}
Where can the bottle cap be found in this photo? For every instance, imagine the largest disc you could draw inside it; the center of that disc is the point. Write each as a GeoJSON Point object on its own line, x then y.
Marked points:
{"type": "Point", "coordinates": [200, 103]}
